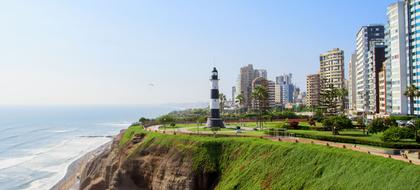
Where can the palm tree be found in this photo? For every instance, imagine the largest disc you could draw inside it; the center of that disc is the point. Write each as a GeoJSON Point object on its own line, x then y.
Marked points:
{"type": "Point", "coordinates": [239, 102]}
{"type": "Point", "coordinates": [260, 97]}
{"type": "Point", "coordinates": [222, 101]}
{"type": "Point", "coordinates": [412, 92]}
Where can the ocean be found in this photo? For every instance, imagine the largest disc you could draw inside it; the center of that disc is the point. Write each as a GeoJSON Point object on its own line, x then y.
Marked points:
{"type": "Point", "coordinates": [38, 143]}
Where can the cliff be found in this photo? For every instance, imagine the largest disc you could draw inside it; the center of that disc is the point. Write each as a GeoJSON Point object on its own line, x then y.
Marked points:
{"type": "Point", "coordinates": [143, 160]}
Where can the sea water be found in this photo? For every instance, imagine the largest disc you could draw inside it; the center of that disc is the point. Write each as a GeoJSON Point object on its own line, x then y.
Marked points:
{"type": "Point", "coordinates": [38, 143]}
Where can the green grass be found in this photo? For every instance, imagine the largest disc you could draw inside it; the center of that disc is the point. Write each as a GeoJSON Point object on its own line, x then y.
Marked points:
{"type": "Point", "coordinates": [272, 124]}
{"type": "Point", "coordinates": [355, 137]}
{"type": "Point", "coordinates": [251, 163]}
{"type": "Point", "coordinates": [129, 134]}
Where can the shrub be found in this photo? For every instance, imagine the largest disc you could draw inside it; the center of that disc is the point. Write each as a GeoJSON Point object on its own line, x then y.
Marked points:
{"type": "Point", "coordinates": [337, 123]}
{"type": "Point", "coordinates": [344, 139]}
{"type": "Point", "coordinates": [312, 122]}
{"type": "Point", "coordinates": [293, 124]}
{"type": "Point", "coordinates": [401, 117]}
{"type": "Point", "coordinates": [377, 125]}
{"type": "Point", "coordinates": [394, 134]}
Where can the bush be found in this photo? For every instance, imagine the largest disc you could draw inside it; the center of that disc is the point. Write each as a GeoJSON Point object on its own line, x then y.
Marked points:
{"type": "Point", "coordinates": [312, 122]}
{"type": "Point", "coordinates": [337, 122]}
{"type": "Point", "coordinates": [394, 134]}
{"type": "Point", "coordinates": [377, 125]}
{"type": "Point", "coordinates": [401, 117]}
{"type": "Point", "coordinates": [344, 139]}
{"type": "Point", "coordinates": [293, 124]}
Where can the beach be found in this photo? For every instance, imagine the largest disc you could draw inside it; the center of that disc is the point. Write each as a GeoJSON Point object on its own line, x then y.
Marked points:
{"type": "Point", "coordinates": [72, 177]}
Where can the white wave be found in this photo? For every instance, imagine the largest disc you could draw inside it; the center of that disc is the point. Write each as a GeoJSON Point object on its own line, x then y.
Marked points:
{"type": "Point", "coordinates": [10, 162]}
{"type": "Point", "coordinates": [68, 152]}
{"type": "Point", "coordinates": [120, 124]}
{"type": "Point", "coordinates": [53, 159]}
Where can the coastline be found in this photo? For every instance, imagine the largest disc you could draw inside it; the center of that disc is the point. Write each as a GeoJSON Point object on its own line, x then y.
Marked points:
{"type": "Point", "coordinates": [71, 179]}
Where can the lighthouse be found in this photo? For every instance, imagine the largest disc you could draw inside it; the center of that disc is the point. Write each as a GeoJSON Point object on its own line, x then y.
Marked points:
{"type": "Point", "coordinates": [214, 119]}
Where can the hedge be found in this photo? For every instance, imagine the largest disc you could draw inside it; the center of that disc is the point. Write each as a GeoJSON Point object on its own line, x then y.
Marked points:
{"type": "Point", "coordinates": [360, 141]}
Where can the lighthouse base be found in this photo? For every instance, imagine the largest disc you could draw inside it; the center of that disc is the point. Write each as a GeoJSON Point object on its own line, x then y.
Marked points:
{"type": "Point", "coordinates": [215, 122]}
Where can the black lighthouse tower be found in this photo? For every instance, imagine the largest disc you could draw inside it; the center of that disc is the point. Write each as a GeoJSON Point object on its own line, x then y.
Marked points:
{"type": "Point", "coordinates": [214, 119]}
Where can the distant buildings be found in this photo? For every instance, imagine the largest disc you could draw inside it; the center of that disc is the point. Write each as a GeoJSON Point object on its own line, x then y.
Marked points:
{"type": "Point", "coordinates": [247, 75]}
{"type": "Point", "coordinates": [313, 89]}
{"type": "Point", "coordinates": [285, 89]}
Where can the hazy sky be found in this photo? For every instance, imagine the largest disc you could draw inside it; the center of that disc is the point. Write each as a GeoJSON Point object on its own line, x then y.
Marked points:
{"type": "Point", "coordinates": [108, 52]}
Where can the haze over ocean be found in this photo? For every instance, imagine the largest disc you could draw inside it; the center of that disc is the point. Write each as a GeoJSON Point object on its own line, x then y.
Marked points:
{"type": "Point", "coordinates": [37, 143]}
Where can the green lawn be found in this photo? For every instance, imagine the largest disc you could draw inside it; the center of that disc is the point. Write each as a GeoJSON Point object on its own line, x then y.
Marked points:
{"type": "Point", "coordinates": [253, 163]}
{"type": "Point", "coordinates": [354, 136]}
{"type": "Point", "coordinates": [271, 124]}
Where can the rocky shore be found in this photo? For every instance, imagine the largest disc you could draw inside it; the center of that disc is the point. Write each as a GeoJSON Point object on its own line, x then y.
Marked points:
{"type": "Point", "coordinates": [71, 181]}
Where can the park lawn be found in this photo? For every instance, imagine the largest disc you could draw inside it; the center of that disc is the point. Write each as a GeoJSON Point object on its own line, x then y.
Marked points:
{"type": "Point", "coordinates": [253, 163]}
{"type": "Point", "coordinates": [355, 136]}
{"type": "Point", "coordinates": [272, 124]}
{"type": "Point", "coordinates": [208, 129]}
{"type": "Point", "coordinates": [351, 133]}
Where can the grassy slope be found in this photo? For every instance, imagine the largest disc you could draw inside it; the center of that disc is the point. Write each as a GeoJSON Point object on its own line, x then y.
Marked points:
{"type": "Point", "coordinates": [248, 163]}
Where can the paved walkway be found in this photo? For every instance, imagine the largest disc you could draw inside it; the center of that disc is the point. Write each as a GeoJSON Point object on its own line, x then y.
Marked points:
{"type": "Point", "coordinates": [377, 151]}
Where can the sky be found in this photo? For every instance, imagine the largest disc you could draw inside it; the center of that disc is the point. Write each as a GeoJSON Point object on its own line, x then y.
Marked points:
{"type": "Point", "coordinates": [87, 52]}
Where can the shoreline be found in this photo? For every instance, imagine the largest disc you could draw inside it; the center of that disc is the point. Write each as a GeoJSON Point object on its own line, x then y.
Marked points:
{"type": "Point", "coordinates": [72, 177]}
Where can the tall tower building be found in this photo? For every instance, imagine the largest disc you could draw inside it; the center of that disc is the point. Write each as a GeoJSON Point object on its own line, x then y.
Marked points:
{"type": "Point", "coordinates": [313, 89]}
{"type": "Point", "coordinates": [332, 68]}
{"type": "Point", "coordinates": [351, 85]}
{"type": "Point", "coordinates": [363, 38]}
{"type": "Point", "coordinates": [396, 53]}
{"type": "Point", "coordinates": [376, 58]}
{"type": "Point", "coordinates": [412, 8]}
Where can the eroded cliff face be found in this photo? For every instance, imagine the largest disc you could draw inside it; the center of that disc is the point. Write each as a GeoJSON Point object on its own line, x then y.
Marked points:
{"type": "Point", "coordinates": [150, 167]}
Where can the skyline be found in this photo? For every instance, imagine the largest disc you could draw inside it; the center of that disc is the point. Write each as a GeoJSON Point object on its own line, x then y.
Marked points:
{"type": "Point", "coordinates": [96, 53]}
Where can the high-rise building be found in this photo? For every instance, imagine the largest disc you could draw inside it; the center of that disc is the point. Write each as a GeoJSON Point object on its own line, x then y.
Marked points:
{"type": "Point", "coordinates": [332, 68]}
{"type": "Point", "coordinates": [285, 89]}
{"type": "Point", "coordinates": [271, 93]}
{"type": "Point", "coordinates": [412, 8]}
{"type": "Point", "coordinates": [365, 35]}
{"type": "Point", "coordinates": [382, 90]}
{"type": "Point", "coordinates": [244, 86]}
{"type": "Point", "coordinates": [376, 58]}
{"type": "Point", "coordinates": [233, 95]}
{"type": "Point", "coordinates": [351, 85]}
{"type": "Point", "coordinates": [313, 89]}
{"type": "Point", "coordinates": [395, 39]}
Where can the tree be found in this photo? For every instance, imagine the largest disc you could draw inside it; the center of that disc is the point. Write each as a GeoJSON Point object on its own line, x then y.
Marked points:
{"type": "Point", "coordinates": [377, 125]}
{"type": "Point", "coordinates": [342, 93]}
{"type": "Point", "coordinates": [239, 100]}
{"type": "Point", "coordinates": [415, 127]}
{"type": "Point", "coordinates": [143, 120]}
{"type": "Point", "coordinates": [222, 101]}
{"type": "Point", "coordinates": [412, 92]}
{"type": "Point", "coordinates": [336, 123]}
{"type": "Point", "coordinates": [260, 97]}
{"type": "Point", "coordinates": [328, 101]}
